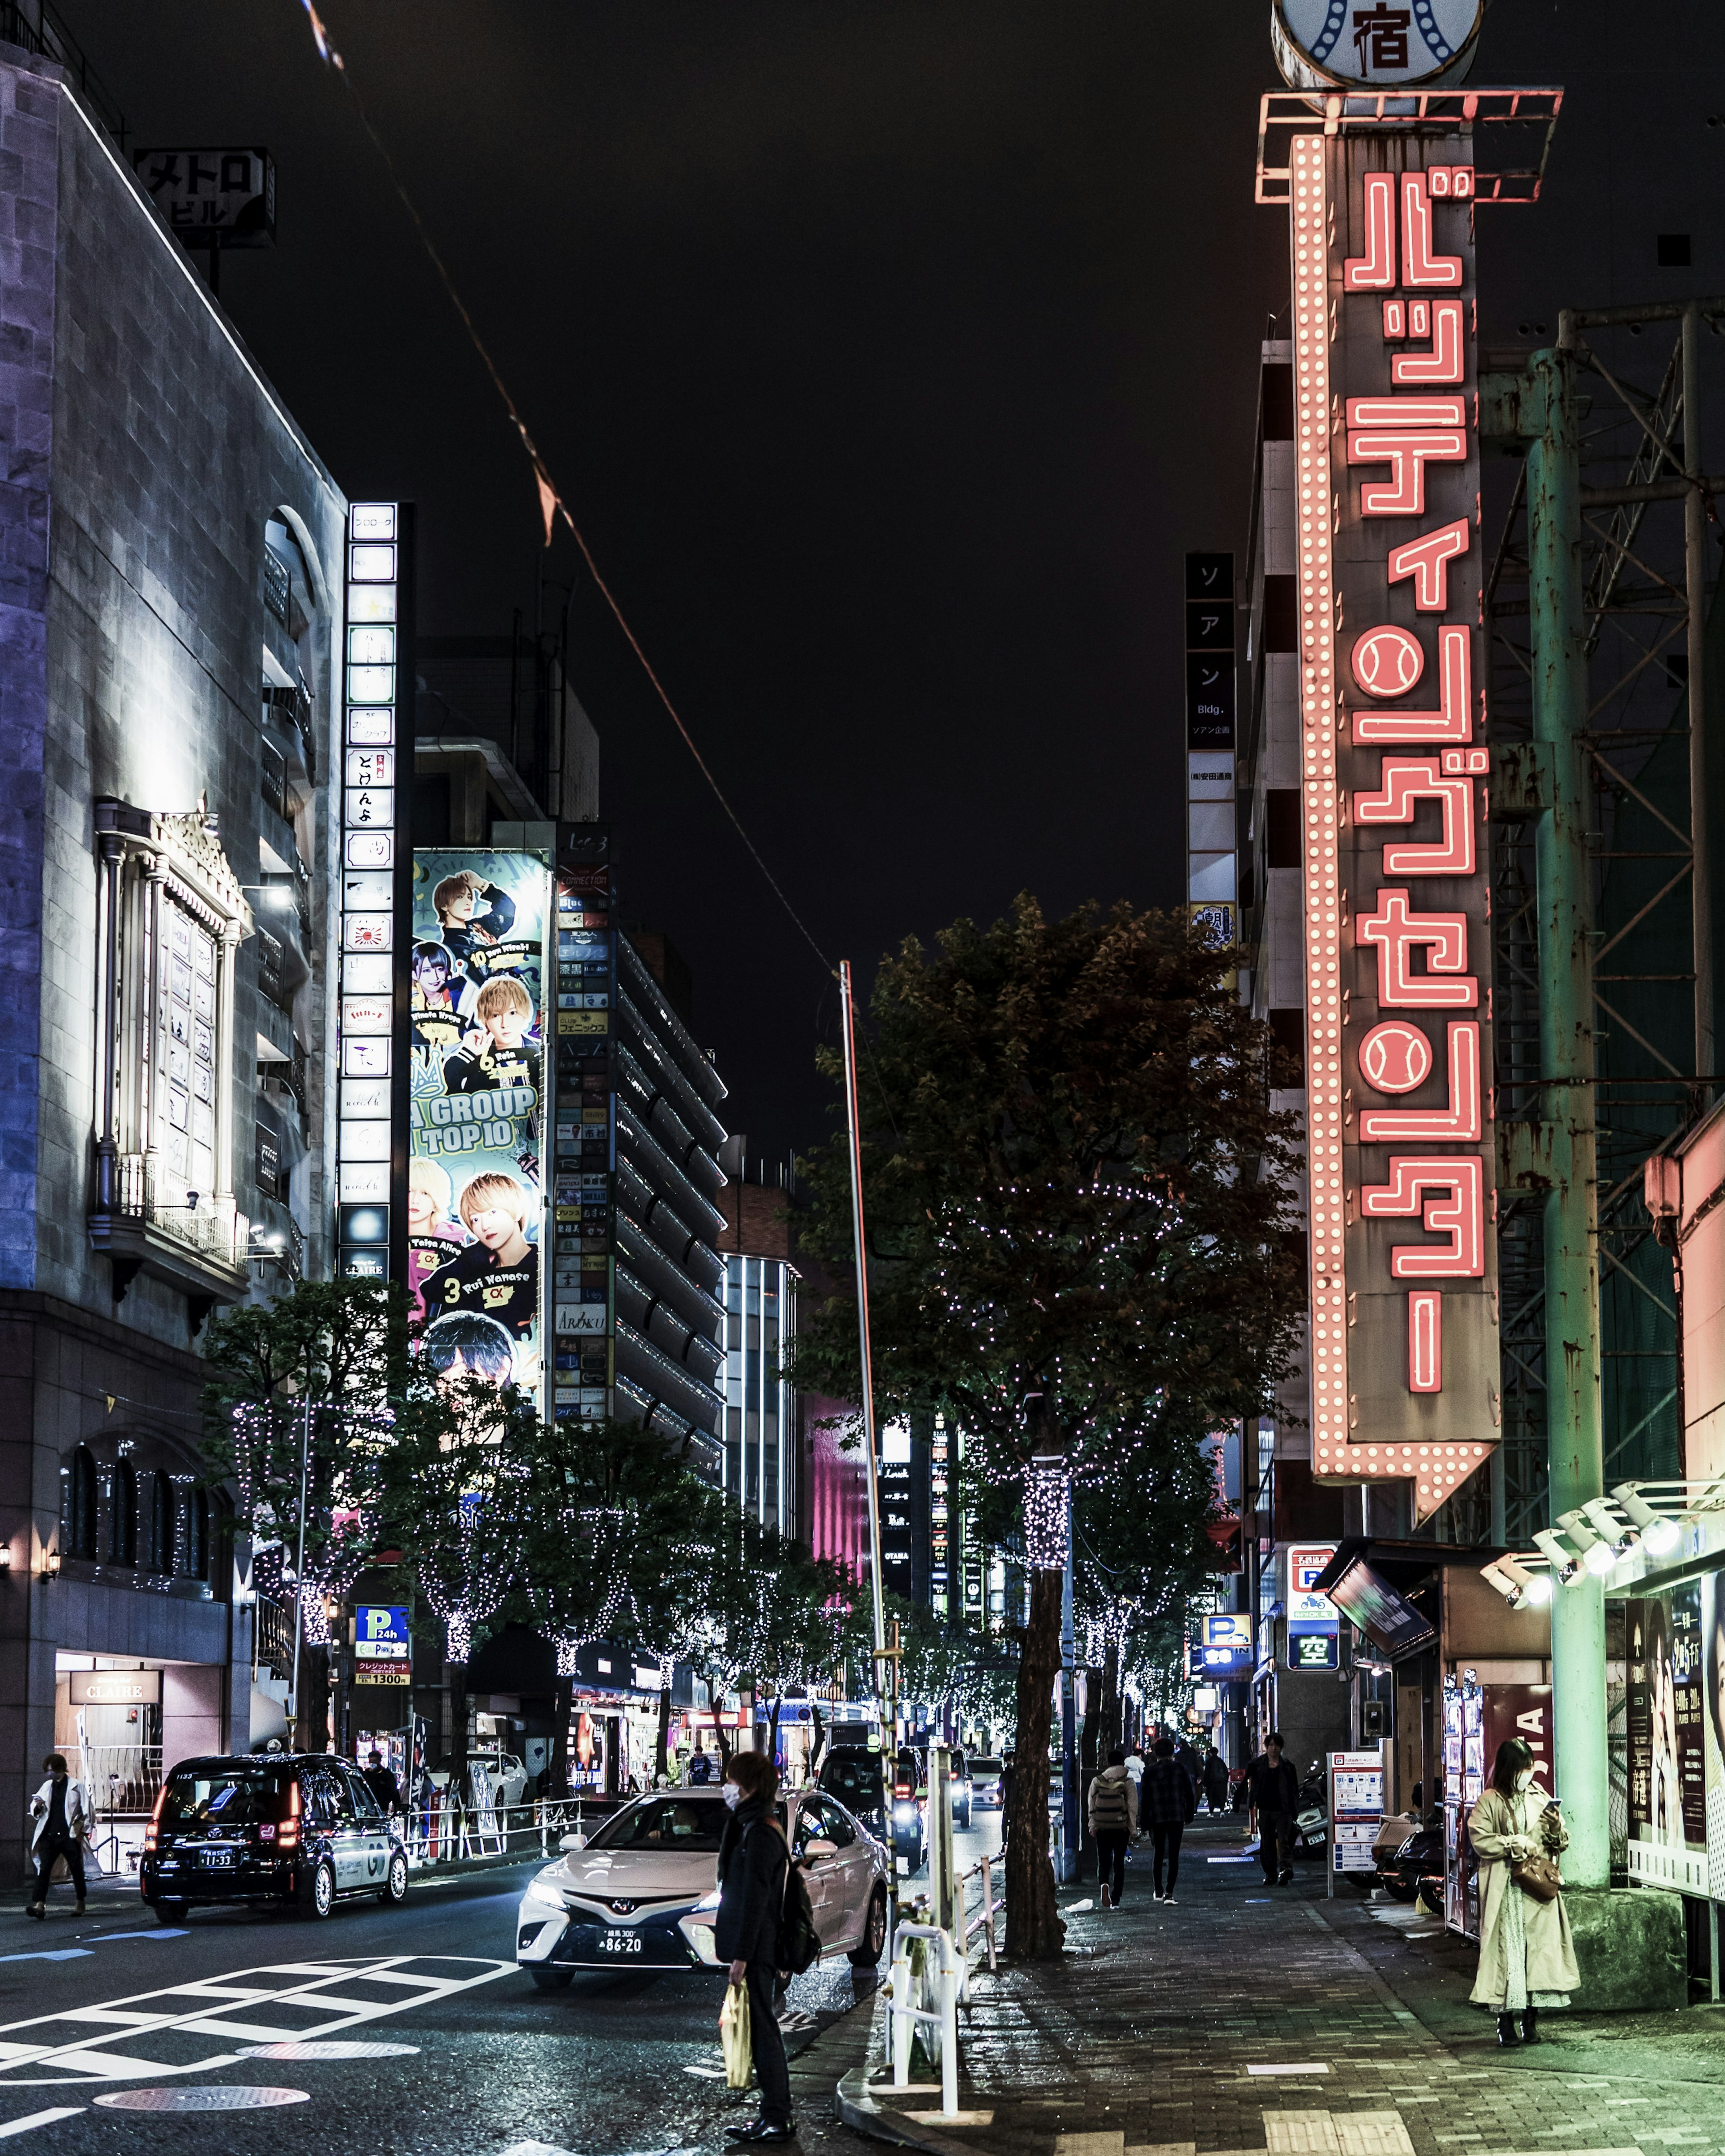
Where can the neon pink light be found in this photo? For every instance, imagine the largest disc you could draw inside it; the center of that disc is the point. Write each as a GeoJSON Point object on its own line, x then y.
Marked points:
{"type": "Point", "coordinates": [1398, 935]}
{"type": "Point", "coordinates": [1459, 1121]}
{"type": "Point", "coordinates": [1374, 271]}
{"type": "Point", "coordinates": [1395, 319]}
{"type": "Point", "coordinates": [1419, 412]}
{"type": "Point", "coordinates": [1419, 318]}
{"type": "Point", "coordinates": [1443, 362]}
{"type": "Point", "coordinates": [1460, 1212]}
{"type": "Point", "coordinates": [1387, 661]}
{"type": "Point", "coordinates": [1407, 451]}
{"type": "Point", "coordinates": [1408, 780]}
{"type": "Point", "coordinates": [1453, 721]}
{"type": "Point", "coordinates": [1426, 560]}
{"type": "Point", "coordinates": [1395, 1057]}
{"type": "Point", "coordinates": [1420, 265]}
{"type": "Point", "coordinates": [1426, 1340]}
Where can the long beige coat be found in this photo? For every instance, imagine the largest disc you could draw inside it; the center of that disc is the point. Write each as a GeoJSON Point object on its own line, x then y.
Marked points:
{"type": "Point", "coordinates": [1500, 1827]}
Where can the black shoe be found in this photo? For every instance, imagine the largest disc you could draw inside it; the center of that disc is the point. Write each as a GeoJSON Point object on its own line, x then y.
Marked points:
{"type": "Point", "coordinates": [1507, 2034]}
{"type": "Point", "coordinates": [1530, 2027]}
{"type": "Point", "coordinates": [757, 2129]}
{"type": "Point", "coordinates": [1285, 1880]}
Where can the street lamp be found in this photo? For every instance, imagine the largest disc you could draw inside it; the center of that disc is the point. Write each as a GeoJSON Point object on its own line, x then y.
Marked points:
{"type": "Point", "coordinates": [1659, 1534]}
{"type": "Point", "coordinates": [1565, 1562]}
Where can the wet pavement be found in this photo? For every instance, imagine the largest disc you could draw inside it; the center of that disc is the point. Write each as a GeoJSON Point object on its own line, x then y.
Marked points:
{"type": "Point", "coordinates": [375, 2032]}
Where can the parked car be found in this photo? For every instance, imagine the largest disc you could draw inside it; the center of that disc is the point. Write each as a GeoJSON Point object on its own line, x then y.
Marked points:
{"type": "Point", "coordinates": [508, 1778]}
{"type": "Point", "coordinates": [985, 1784]}
{"type": "Point", "coordinates": [297, 1828]}
{"type": "Point", "coordinates": [640, 1893]}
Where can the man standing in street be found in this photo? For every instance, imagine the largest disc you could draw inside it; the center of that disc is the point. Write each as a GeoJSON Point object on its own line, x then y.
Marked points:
{"type": "Point", "coordinates": [383, 1784]}
{"type": "Point", "coordinates": [1170, 1801]}
{"type": "Point", "coordinates": [1275, 1792]}
{"type": "Point", "coordinates": [61, 1811]}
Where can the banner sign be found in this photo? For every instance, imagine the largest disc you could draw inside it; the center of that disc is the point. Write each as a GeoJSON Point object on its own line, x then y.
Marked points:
{"type": "Point", "coordinates": [1405, 1346]}
{"type": "Point", "coordinates": [1671, 1652]}
{"type": "Point", "coordinates": [476, 1136]}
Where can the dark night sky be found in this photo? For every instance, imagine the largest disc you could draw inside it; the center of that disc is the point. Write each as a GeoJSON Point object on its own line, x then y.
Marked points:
{"type": "Point", "coordinates": [890, 353]}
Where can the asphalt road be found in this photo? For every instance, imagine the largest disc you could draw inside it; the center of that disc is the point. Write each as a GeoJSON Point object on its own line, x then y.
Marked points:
{"type": "Point", "coordinates": [114, 2005]}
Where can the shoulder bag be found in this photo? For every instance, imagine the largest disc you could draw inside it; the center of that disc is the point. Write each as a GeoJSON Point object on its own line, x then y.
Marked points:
{"type": "Point", "coordinates": [1537, 1876]}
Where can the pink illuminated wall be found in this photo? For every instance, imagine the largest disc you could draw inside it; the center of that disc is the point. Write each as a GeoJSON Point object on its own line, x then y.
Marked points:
{"type": "Point", "coordinates": [838, 1486]}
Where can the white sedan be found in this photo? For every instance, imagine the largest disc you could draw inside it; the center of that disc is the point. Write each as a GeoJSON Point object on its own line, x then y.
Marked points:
{"type": "Point", "coordinates": [640, 1893]}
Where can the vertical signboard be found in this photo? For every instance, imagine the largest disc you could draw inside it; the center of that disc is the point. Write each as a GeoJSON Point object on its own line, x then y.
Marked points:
{"type": "Point", "coordinates": [1357, 1800]}
{"type": "Point", "coordinates": [585, 1130]}
{"type": "Point", "coordinates": [376, 727]}
{"type": "Point", "coordinates": [1211, 887]}
{"type": "Point", "coordinates": [475, 1192]}
{"type": "Point", "coordinates": [1405, 1346]}
{"type": "Point", "coordinates": [1668, 1679]}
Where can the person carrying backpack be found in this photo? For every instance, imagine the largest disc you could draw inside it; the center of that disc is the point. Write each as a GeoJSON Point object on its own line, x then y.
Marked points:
{"type": "Point", "coordinates": [1113, 1822]}
{"type": "Point", "coordinates": [753, 1864]}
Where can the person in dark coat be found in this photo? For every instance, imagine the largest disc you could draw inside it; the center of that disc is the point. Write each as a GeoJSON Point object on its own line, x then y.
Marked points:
{"type": "Point", "coordinates": [753, 1862]}
{"type": "Point", "coordinates": [1274, 1789]}
{"type": "Point", "coordinates": [1215, 1781]}
{"type": "Point", "coordinates": [1166, 1803]}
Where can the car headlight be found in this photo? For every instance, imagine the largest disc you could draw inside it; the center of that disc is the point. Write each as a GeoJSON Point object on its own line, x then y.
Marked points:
{"type": "Point", "coordinates": [543, 1889]}
{"type": "Point", "coordinates": [708, 1900]}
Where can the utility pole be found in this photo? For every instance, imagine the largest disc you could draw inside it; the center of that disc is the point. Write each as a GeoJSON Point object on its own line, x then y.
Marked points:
{"type": "Point", "coordinates": [1071, 1825]}
{"type": "Point", "coordinates": [1537, 407]}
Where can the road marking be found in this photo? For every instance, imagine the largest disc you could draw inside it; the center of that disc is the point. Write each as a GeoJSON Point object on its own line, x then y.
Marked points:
{"type": "Point", "coordinates": [1311, 2068]}
{"type": "Point", "coordinates": [160, 1931]}
{"type": "Point", "coordinates": [108, 2043]}
{"type": "Point", "coordinates": [39, 2118]}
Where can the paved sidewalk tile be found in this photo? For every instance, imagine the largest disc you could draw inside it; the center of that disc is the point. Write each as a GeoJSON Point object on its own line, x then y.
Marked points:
{"type": "Point", "coordinates": [1242, 2021]}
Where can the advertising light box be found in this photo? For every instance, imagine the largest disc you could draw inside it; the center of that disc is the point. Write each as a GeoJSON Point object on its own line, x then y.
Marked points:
{"type": "Point", "coordinates": [1227, 1647]}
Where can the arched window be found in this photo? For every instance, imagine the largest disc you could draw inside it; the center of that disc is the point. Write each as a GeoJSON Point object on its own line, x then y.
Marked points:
{"type": "Point", "coordinates": [162, 1524]}
{"type": "Point", "coordinates": [78, 1506]}
{"type": "Point", "coordinates": [123, 1515]}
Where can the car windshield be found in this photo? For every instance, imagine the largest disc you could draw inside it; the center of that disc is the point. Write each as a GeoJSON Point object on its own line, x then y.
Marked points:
{"type": "Point", "coordinates": [228, 1796]}
{"type": "Point", "coordinates": [984, 1767]}
{"type": "Point", "coordinates": [692, 1825]}
{"type": "Point", "coordinates": [858, 1778]}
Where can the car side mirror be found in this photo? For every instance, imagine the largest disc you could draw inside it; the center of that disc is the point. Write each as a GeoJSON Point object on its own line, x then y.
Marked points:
{"type": "Point", "coordinates": [573, 1841]}
{"type": "Point", "coordinates": [818, 1847]}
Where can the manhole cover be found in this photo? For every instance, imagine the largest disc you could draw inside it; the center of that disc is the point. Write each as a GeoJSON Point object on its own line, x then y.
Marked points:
{"type": "Point", "coordinates": [202, 2099]}
{"type": "Point", "coordinates": [333, 2048]}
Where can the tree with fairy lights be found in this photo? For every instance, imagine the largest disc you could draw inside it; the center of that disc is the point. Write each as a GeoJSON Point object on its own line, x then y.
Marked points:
{"type": "Point", "coordinates": [1079, 1239]}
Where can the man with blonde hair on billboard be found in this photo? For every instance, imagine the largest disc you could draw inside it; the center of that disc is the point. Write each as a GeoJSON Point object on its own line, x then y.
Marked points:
{"type": "Point", "coordinates": [497, 1274]}
{"type": "Point", "coordinates": [495, 1052]}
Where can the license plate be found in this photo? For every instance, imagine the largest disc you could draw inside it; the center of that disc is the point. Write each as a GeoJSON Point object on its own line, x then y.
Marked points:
{"type": "Point", "coordinates": [218, 1860]}
{"type": "Point", "coordinates": [616, 1942]}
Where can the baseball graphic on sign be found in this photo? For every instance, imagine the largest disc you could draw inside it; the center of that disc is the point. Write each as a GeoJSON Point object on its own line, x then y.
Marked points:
{"type": "Point", "coordinates": [1387, 661]}
{"type": "Point", "coordinates": [1395, 1057]}
{"type": "Point", "coordinates": [1369, 43]}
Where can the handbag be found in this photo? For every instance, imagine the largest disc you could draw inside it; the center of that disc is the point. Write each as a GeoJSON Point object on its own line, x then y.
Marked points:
{"type": "Point", "coordinates": [735, 2037]}
{"type": "Point", "coordinates": [1537, 1876]}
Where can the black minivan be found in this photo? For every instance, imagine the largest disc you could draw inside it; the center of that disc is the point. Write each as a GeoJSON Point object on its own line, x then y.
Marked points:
{"type": "Point", "coordinates": [297, 1828]}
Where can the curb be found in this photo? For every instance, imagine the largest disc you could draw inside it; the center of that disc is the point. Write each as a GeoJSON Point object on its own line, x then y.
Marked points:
{"type": "Point", "coordinates": [856, 2108]}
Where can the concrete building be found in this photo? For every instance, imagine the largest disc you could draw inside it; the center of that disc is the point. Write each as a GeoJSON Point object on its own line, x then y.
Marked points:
{"type": "Point", "coordinates": [172, 542]}
{"type": "Point", "coordinates": [764, 1468]}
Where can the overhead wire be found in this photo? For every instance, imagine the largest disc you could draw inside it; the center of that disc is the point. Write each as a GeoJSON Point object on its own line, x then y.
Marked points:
{"type": "Point", "coordinates": [552, 503]}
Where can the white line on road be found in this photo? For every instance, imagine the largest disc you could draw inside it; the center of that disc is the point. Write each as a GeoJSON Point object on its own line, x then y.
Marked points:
{"type": "Point", "coordinates": [71, 2050]}
{"type": "Point", "coordinates": [39, 2118]}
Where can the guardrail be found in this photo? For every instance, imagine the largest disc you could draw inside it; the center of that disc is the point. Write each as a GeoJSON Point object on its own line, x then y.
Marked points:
{"type": "Point", "coordinates": [447, 1829]}
{"type": "Point", "coordinates": [902, 2015]}
{"type": "Point", "coordinates": [983, 1920]}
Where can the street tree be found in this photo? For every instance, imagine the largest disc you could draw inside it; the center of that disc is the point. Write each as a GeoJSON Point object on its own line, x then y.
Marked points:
{"type": "Point", "coordinates": [1080, 1237]}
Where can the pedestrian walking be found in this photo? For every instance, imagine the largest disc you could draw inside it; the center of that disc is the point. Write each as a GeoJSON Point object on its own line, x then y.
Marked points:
{"type": "Point", "coordinates": [1275, 1793]}
{"type": "Point", "coordinates": [1215, 1781]}
{"type": "Point", "coordinates": [61, 1811]}
{"type": "Point", "coordinates": [1008, 1783]}
{"type": "Point", "coordinates": [1527, 1954]}
{"type": "Point", "coordinates": [1169, 1801]}
{"type": "Point", "coordinates": [382, 1783]}
{"type": "Point", "coordinates": [753, 1863]}
{"type": "Point", "coordinates": [1113, 1804]}
{"type": "Point", "coordinates": [1189, 1764]}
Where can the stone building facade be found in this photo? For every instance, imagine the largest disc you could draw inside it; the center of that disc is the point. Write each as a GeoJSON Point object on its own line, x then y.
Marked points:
{"type": "Point", "coordinates": [172, 558]}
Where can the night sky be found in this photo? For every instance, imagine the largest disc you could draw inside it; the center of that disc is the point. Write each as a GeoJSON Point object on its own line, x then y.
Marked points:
{"type": "Point", "coordinates": [891, 352]}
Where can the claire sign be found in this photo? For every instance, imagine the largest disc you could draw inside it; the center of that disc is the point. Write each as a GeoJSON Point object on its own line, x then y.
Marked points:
{"type": "Point", "coordinates": [1405, 1348]}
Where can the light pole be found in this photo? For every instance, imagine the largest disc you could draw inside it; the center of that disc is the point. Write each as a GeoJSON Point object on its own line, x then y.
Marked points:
{"type": "Point", "coordinates": [300, 1568]}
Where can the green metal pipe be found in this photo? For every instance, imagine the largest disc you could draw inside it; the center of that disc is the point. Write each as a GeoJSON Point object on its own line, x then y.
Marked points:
{"type": "Point", "coordinates": [1574, 1434]}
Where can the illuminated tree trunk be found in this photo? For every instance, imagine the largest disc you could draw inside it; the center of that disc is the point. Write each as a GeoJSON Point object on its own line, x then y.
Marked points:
{"type": "Point", "coordinates": [661, 1754]}
{"type": "Point", "coordinates": [1035, 1931]}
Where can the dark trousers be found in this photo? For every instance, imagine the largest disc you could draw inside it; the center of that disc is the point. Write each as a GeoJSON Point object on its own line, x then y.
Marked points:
{"type": "Point", "coordinates": [771, 2070]}
{"type": "Point", "coordinates": [1275, 1843]}
{"type": "Point", "coordinates": [1165, 1842]}
{"type": "Point", "coordinates": [51, 1846]}
{"type": "Point", "coordinates": [1111, 1851]}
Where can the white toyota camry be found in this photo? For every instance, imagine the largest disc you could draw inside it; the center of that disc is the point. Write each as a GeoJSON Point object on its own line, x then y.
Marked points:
{"type": "Point", "coordinates": [640, 1893]}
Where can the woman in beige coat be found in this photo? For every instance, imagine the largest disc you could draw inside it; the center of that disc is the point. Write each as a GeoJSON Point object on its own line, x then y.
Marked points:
{"type": "Point", "coordinates": [1526, 1956]}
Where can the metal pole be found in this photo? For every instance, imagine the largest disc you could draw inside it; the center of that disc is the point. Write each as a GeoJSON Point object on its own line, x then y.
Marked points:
{"type": "Point", "coordinates": [299, 1573]}
{"type": "Point", "coordinates": [1071, 1830]}
{"type": "Point", "coordinates": [1701, 784]}
{"type": "Point", "coordinates": [1574, 1435]}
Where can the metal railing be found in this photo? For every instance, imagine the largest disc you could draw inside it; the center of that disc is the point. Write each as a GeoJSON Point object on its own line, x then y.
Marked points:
{"type": "Point", "coordinates": [903, 2016]}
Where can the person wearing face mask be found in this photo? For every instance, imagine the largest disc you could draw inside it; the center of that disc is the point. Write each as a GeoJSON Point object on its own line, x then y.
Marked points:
{"type": "Point", "coordinates": [1527, 1954]}
{"type": "Point", "coordinates": [752, 1861]}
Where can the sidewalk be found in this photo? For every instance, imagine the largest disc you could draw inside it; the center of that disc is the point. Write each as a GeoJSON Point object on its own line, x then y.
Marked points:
{"type": "Point", "coordinates": [1247, 2019]}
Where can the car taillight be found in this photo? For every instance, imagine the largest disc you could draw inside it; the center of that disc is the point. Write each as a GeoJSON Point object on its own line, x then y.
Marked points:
{"type": "Point", "coordinates": [901, 1789]}
{"type": "Point", "coordinates": [289, 1837]}
{"type": "Point", "coordinates": [152, 1830]}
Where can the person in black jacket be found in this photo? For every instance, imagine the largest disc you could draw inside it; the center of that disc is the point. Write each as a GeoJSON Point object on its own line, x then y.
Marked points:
{"type": "Point", "coordinates": [1275, 1790]}
{"type": "Point", "coordinates": [752, 1861]}
{"type": "Point", "coordinates": [1166, 1804]}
